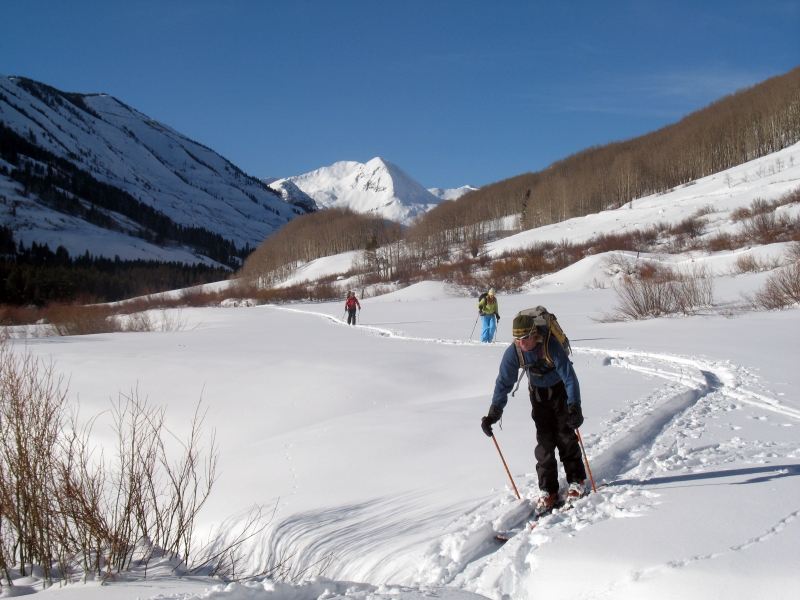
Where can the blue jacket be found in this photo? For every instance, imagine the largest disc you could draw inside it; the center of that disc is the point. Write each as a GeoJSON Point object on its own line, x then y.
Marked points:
{"type": "Point", "coordinates": [563, 371]}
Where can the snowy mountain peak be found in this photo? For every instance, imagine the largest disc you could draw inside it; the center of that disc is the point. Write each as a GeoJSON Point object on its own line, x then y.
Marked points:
{"type": "Point", "coordinates": [377, 186]}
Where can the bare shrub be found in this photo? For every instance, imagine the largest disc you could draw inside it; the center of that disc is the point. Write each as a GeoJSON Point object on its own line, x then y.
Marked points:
{"type": "Point", "coordinates": [691, 226]}
{"type": "Point", "coordinates": [76, 319]}
{"type": "Point", "coordinates": [67, 511]}
{"type": "Point", "coordinates": [595, 284]}
{"type": "Point", "coordinates": [793, 252]}
{"type": "Point", "coordinates": [708, 209]}
{"type": "Point", "coordinates": [173, 320]}
{"type": "Point", "coordinates": [749, 263]}
{"type": "Point", "coordinates": [32, 406]}
{"type": "Point", "coordinates": [640, 299]}
{"type": "Point", "coordinates": [781, 290]}
{"type": "Point", "coordinates": [139, 321]}
{"type": "Point", "coordinates": [661, 292]}
{"type": "Point", "coordinates": [692, 289]}
{"type": "Point", "coordinates": [19, 315]}
{"type": "Point", "coordinates": [144, 321]}
{"type": "Point", "coordinates": [722, 241]}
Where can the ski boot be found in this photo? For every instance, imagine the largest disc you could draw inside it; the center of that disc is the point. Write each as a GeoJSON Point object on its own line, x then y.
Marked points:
{"type": "Point", "coordinates": [577, 490]}
{"type": "Point", "coordinates": [546, 503]}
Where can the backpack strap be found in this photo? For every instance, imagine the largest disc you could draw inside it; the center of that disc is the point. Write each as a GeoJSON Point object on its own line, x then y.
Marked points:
{"type": "Point", "coordinates": [522, 366]}
{"type": "Point", "coordinates": [546, 347]}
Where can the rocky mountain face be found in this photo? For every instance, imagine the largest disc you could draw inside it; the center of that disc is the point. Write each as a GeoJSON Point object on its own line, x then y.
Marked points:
{"type": "Point", "coordinates": [90, 173]}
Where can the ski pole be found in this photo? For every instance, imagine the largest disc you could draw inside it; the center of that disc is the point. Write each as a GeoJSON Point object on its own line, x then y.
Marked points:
{"type": "Point", "coordinates": [586, 460]}
{"type": "Point", "coordinates": [473, 327]}
{"type": "Point", "coordinates": [506, 466]}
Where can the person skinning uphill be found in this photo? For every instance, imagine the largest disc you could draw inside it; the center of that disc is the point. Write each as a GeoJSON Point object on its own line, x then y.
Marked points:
{"type": "Point", "coordinates": [489, 313]}
{"type": "Point", "coordinates": [556, 400]}
{"type": "Point", "coordinates": [350, 306]}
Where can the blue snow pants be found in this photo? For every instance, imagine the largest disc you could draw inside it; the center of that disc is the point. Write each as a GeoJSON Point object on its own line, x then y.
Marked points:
{"type": "Point", "coordinates": [489, 327]}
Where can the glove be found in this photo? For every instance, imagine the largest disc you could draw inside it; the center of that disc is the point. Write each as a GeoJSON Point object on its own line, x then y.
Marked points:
{"type": "Point", "coordinates": [481, 313]}
{"type": "Point", "coordinates": [574, 415]}
{"type": "Point", "coordinates": [495, 414]}
{"type": "Point", "coordinates": [498, 318]}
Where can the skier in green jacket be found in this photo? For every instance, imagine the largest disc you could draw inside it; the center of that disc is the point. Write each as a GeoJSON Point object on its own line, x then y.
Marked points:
{"type": "Point", "coordinates": [490, 313]}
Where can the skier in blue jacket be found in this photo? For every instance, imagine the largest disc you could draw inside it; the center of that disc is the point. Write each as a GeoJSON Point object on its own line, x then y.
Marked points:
{"type": "Point", "coordinates": [556, 400]}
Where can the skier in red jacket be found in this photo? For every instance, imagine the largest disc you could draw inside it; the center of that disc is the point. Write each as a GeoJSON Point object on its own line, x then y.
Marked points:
{"type": "Point", "coordinates": [350, 306]}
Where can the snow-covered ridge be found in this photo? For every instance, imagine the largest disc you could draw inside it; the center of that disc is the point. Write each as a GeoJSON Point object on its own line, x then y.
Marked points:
{"type": "Point", "coordinates": [379, 187]}
{"type": "Point", "coordinates": [186, 181]}
{"type": "Point", "coordinates": [451, 193]}
{"type": "Point", "coordinates": [291, 193]}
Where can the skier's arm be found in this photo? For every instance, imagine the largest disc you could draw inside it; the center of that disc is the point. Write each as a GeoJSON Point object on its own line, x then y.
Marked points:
{"type": "Point", "coordinates": [358, 303]}
{"type": "Point", "coordinates": [509, 368]}
{"type": "Point", "coordinates": [565, 370]}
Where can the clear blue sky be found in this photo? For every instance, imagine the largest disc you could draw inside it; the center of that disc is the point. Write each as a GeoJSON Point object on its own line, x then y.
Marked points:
{"type": "Point", "coordinates": [454, 92]}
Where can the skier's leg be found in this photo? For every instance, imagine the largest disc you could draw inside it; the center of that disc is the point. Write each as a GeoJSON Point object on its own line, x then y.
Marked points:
{"type": "Point", "coordinates": [569, 450]}
{"type": "Point", "coordinates": [485, 337]}
{"type": "Point", "coordinates": [492, 327]}
{"type": "Point", "coordinates": [546, 440]}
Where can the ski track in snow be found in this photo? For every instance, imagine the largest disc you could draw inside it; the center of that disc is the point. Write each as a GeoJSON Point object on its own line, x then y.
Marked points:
{"type": "Point", "coordinates": [652, 436]}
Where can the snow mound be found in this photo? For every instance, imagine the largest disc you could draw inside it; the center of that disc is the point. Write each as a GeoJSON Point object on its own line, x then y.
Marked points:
{"type": "Point", "coordinates": [328, 266]}
{"type": "Point", "coordinates": [422, 291]}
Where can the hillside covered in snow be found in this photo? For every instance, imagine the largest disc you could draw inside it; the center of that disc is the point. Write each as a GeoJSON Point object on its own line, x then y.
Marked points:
{"type": "Point", "coordinates": [90, 173]}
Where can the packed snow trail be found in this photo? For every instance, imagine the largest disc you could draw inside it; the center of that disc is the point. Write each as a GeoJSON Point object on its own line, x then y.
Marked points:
{"type": "Point", "coordinates": [645, 439]}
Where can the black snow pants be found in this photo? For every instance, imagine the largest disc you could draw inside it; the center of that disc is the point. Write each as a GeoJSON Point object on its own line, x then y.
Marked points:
{"type": "Point", "coordinates": [550, 415]}
{"type": "Point", "coordinates": [351, 316]}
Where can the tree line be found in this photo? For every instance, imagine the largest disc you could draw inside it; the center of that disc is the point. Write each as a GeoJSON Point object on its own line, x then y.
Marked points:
{"type": "Point", "coordinates": [36, 275]}
{"type": "Point", "coordinates": [315, 235]}
{"type": "Point", "coordinates": [735, 129]}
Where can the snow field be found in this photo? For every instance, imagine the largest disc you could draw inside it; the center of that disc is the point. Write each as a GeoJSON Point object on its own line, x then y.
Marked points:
{"type": "Point", "coordinates": [366, 439]}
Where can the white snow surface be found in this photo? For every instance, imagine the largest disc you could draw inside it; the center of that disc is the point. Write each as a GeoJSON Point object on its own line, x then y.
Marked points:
{"type": "Point", "coordinates": [377, 187]}
{"type": "Point", "coordinates": [367, 439]}
{"type": "Point", "coordinates": [187, 181]}
{"type": "Point", "coordinates": [451, 193]}
{"type": "Point", "coordinates": [338, 264]}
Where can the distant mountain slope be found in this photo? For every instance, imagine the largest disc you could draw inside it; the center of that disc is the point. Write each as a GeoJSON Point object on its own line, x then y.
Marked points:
{"type": "Point", "coordinates": [377, 187]}
{"type": "Point", "coordinates": [291, 193]}
{"type": "Point", "coordinates": [168, 197]}
{"type": "Point", "coordinates": [451, 193]}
